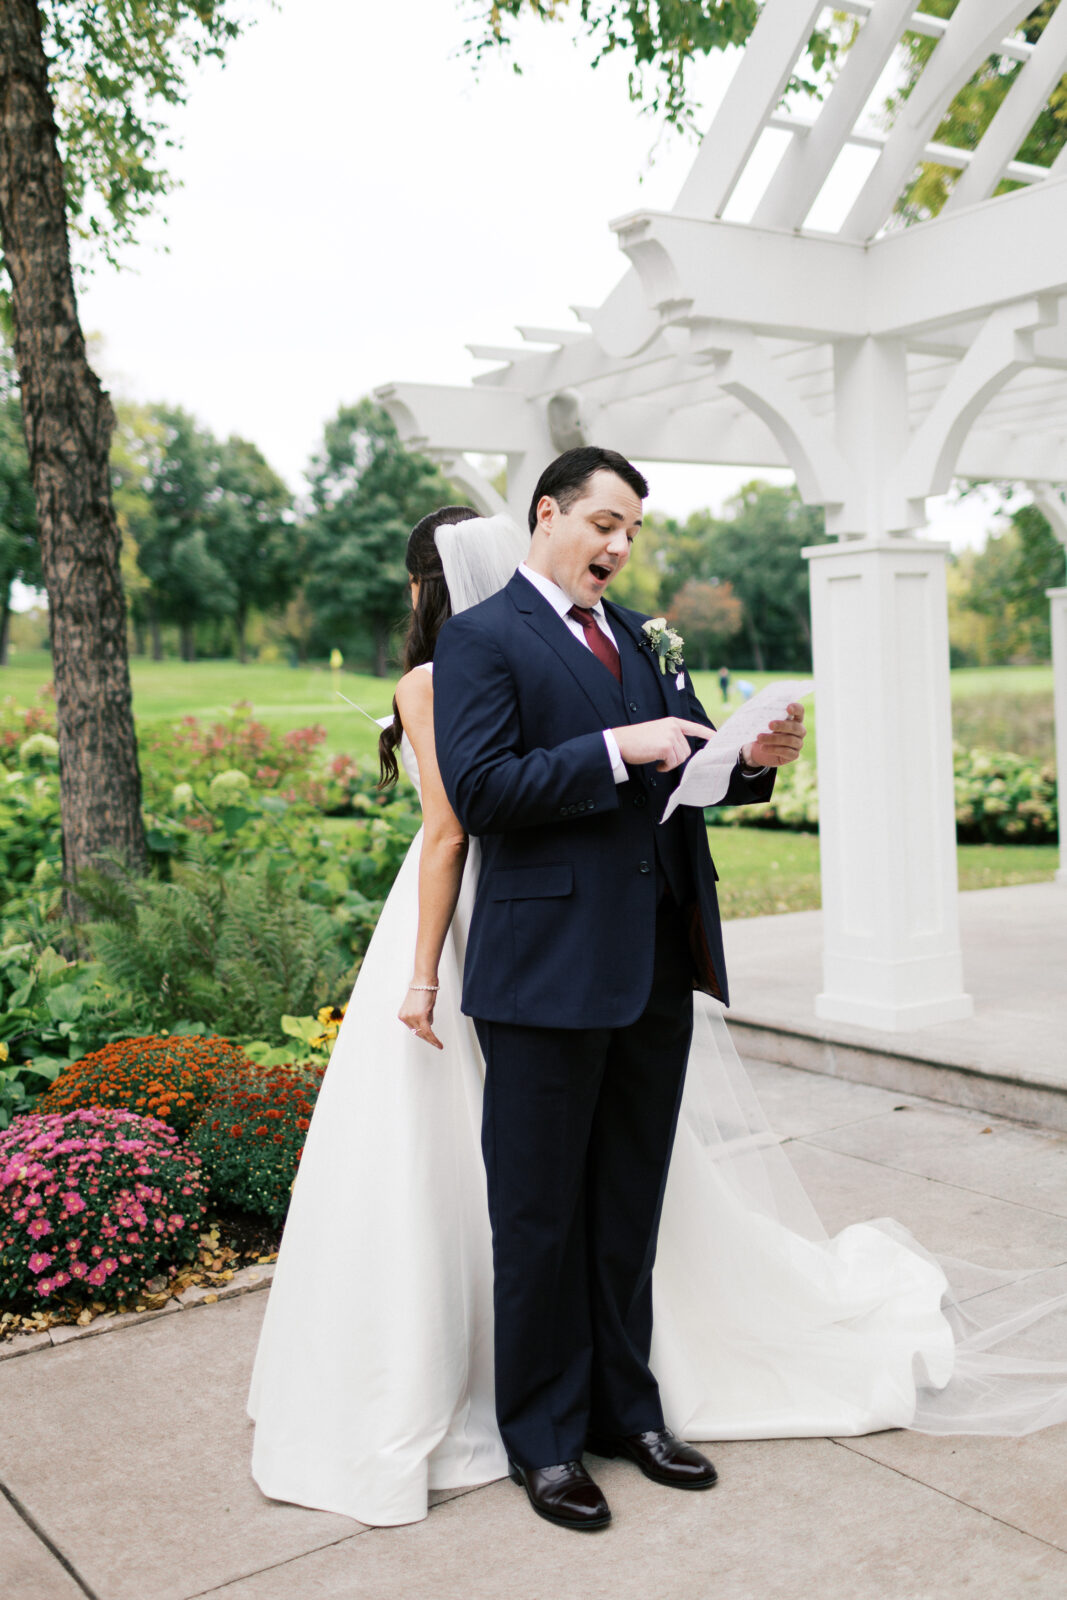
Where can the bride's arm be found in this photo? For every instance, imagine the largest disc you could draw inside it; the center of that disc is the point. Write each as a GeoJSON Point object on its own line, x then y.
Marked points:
{"type": "Point", "coordinates": [444, 851]}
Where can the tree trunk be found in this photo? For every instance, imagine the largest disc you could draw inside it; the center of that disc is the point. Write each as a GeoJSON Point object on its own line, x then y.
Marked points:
{"type": "Point", "coordinates": [381, 651]}
{"type": "Point", "coordinates": [239, 622]}
{"type": "Point", "coordinates": [188, 641]}
{"type": "Point", "coordinates": [157, 637]}
{"type": "Point", "coordinates": [5, 623]}
{"type": "Point", "coordinates": [754, 641]}
{"type": "Point", "coordinates": [138, 636]}
{"type": "Point", "coordinates": [68, 421]}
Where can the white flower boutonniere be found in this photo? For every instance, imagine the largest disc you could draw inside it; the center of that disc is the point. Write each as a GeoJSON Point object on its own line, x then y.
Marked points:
{"type": "Point", "coordinates": [666, 645]}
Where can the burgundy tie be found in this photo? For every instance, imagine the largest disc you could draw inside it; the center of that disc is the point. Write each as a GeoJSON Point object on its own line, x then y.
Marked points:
{"type": "Point", "coordinates": [599, 643]}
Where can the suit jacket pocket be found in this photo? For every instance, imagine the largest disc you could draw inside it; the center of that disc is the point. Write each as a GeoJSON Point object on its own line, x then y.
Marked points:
{"type": "Point", "coordinates": [532, 883]}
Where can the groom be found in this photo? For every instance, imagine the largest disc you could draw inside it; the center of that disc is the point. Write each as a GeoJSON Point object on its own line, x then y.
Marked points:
{"type": "Point", "coordinates": [559, 741]}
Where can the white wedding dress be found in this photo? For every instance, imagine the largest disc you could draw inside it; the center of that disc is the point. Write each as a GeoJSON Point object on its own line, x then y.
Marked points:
{"type": "Point", "coordinates": [373, 1380]}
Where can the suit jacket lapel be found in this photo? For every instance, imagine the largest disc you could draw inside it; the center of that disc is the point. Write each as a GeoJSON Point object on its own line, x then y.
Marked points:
{"type": "Point", "coordinates": [591, 676]}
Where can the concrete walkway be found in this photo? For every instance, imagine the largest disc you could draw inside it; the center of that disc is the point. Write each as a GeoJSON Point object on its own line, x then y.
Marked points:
{"type": "Point", "coordinates": [1009, 1058]}
{"type": "Point", "coordinates": [124, 1457]}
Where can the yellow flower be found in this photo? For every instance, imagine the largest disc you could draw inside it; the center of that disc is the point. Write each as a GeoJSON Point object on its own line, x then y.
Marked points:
{"type": "Point", "coordinates": [4, 1051]}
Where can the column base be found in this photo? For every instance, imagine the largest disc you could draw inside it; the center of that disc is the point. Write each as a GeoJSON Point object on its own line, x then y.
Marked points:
{"type": "Point", "coordinates": [890, 1018]}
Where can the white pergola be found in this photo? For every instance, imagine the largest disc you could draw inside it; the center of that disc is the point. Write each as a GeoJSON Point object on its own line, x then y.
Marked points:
{"type": "Point", "coordinates": [876, 362]}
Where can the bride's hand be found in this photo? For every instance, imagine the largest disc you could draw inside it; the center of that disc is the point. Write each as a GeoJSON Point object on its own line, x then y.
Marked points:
{"type": "Point", "coordinates": [417, 1014]}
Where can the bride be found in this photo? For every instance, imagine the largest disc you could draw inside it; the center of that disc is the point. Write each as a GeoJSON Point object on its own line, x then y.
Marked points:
{"type": "Point", "coordinates": [373, 1379]}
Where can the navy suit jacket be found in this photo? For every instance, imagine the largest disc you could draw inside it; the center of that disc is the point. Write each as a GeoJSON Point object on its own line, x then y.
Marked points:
{"type": "Point", "coordinates": [563, 929]}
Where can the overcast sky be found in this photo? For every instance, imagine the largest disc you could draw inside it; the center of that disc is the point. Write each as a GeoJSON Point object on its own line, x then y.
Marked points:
{"type": "Point", "coordinates": [358, 205]}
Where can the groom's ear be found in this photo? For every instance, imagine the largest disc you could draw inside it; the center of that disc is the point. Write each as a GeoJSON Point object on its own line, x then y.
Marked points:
{"type": "Point", "coordinates": [547, 512]}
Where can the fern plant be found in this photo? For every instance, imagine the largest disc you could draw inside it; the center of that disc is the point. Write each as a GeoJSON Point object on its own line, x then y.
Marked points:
{"type": "Point", "coordinates": [229, 948]}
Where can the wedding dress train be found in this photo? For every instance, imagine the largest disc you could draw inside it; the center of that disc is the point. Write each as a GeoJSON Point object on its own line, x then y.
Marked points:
{"type": "Point", "coordinates": [373, 1379]}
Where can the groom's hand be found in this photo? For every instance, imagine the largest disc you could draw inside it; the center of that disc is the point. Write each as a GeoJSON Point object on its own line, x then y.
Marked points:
{"type": "Point", "coordinates": [781, 744]}
{"type": "Point", "coordinates": [665, 742]}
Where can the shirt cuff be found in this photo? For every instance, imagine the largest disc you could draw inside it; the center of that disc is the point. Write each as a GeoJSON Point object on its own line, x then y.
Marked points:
{"type": "Point", "coordinates": [618, 766]}
{"type": "Point", "coordinates": [750, 772]}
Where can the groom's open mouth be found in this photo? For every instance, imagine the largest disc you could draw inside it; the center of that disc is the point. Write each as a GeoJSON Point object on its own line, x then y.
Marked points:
{"type": "Point", "coordinates": [600, 572]}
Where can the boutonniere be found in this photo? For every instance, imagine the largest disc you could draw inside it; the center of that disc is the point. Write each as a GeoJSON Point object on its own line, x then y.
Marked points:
{"type": "Point", "coordinates": [666, 645]}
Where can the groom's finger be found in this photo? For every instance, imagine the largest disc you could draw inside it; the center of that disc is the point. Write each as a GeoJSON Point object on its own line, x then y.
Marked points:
{"type": "Point", "coordinates": [694, 730]}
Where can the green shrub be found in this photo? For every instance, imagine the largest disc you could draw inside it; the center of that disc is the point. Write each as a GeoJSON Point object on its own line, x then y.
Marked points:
{"type": "Point", "coordinates": [251, 1135]}
{"type": "Point", "coordinates": [30, 833]}
{"type": "Point", "coordinates": [95, 1200]}
{"type": "Point", "coordinates": [1002, 798]}
{"type": "Point", "coordinates": [232, 948]}
{"type": "Point", "coordinates": [52, 1011]}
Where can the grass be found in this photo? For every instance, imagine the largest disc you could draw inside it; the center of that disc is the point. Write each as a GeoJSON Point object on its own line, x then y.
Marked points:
{"type": "Point", "coordinates": [763, 871]}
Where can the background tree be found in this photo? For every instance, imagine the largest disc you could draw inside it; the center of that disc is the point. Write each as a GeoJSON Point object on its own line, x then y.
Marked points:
{"type": "Point", "coordinates": [367, 492]}
{"type": "Point", "coordinates": [755, 549]}
{"type": "Point", "coordinates": [134, 446]}
{"type": "Point", "coordinates": [252, 533]}
{"type": "Point", "coordinates": [661, 38]}
{"type": "Point", "coordinates": [998, 612]}
{"type": "Point", "coordinates": [189, 580]}
{"type": "Point", "coordinates": [20, 556]}
{"type": "Point", "coordinates": [80, 146]}
{"type": "Point", "coordinates": [709, 616]}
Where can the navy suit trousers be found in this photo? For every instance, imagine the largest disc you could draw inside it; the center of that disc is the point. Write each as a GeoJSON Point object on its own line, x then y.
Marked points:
{"type": "Point", "coordinates": [577, 1132]}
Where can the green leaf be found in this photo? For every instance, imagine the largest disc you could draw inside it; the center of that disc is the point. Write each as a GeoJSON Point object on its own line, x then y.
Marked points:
{"type": "Point", "coordinates": [305, 1028]}
{"type": "Point", "coordinates": [162, 843]}
{"type": "Point", "coordinates": [64, 1003]}
{"type": "Point", "coordinates": [47, 1067]}
{"type": "Point", "coordinates": [233, 818]}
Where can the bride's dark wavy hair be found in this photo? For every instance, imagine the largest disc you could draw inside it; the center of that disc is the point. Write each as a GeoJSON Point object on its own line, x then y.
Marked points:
{"type": "Point", "coordinates": [427, 616]}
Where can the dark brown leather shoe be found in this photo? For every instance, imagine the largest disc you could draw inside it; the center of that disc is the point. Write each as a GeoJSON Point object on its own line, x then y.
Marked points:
{"type": "Point", "coordinates": [661, 1457]}
{"type": "Point", "coordinates": [565, 1495]}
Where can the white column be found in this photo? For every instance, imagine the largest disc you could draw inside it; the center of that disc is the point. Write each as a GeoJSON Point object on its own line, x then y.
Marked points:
{"type": "Point", "coordinates": [1058, 602]}
{"type": "Point", "coordinates": [891, 951]}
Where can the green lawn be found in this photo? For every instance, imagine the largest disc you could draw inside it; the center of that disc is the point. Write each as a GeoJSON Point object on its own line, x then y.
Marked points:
{"type": "Point", "coordinates": [763, 871]}
{"type": "Point", "coordinates": [285, 697]}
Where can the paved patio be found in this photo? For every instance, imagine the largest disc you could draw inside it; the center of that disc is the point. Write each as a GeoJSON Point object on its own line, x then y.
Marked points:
{"type": "Point", "coordinates": [1009, 1058]}
{"type": "Point", "coordinates": [124, 1457]}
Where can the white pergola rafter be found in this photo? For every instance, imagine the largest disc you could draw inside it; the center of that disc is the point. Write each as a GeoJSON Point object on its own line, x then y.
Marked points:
{"type": "Point", "coordinates": [875, 361]}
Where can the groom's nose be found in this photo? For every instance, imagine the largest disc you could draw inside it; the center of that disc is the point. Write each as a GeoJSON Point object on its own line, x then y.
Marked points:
{"type": "Point", "coordinates": [619, 544]}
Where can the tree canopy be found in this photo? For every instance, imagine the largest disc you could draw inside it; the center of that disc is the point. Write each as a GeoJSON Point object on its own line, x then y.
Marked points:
{"type": "Point", "coordinates": [114, 66]}
{"type": "Point", "coordinates": [662, 39]}
{"type": "Point", "coordinates": [367, 493]}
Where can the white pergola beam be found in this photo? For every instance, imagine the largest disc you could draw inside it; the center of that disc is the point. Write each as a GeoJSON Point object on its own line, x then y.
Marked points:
{"type": "Point", "coordinates": [812, 152]}
{"type": "Point", "coordinates": [974, 30]}
{"type": "Point", "coordinates": [1015, 116]}
{"type": "Point", "coordinates": [802, 287]}
{"type": "Point", "coordinates": [770, 55]}
{"type": "Point", "coordinates": [934, 27]}
{"type": "Point", "coordinates": [451, 420]}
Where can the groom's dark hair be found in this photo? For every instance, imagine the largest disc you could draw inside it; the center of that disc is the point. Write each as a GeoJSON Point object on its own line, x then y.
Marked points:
{"type": "Point", "coordinates": [566, 477]}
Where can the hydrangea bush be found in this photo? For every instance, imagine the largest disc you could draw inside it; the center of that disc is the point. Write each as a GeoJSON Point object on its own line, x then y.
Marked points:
{"type": "Point", "coordinates": [168, 1076]}
{"type": "Point", "coordinates": [251, 1136]}
{"type": "Point", "coordinates": [1000, 799]}
{"type": "Point", "coordinates": [94, 1200]}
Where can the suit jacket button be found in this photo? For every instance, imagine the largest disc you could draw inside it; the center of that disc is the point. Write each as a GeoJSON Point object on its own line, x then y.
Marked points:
{"type": "Point", "coordinates": [643, 866]}
{"type": "Point", "coordinates": [589, 804]}
{"type": "Point", "coordinates": [640, 800]}
{"type": "Point", "coordinates": [633, 705]}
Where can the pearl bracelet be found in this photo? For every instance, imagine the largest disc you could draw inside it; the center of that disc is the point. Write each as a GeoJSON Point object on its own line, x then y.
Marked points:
{"type": "Point", "coordinates": [430, 988]}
